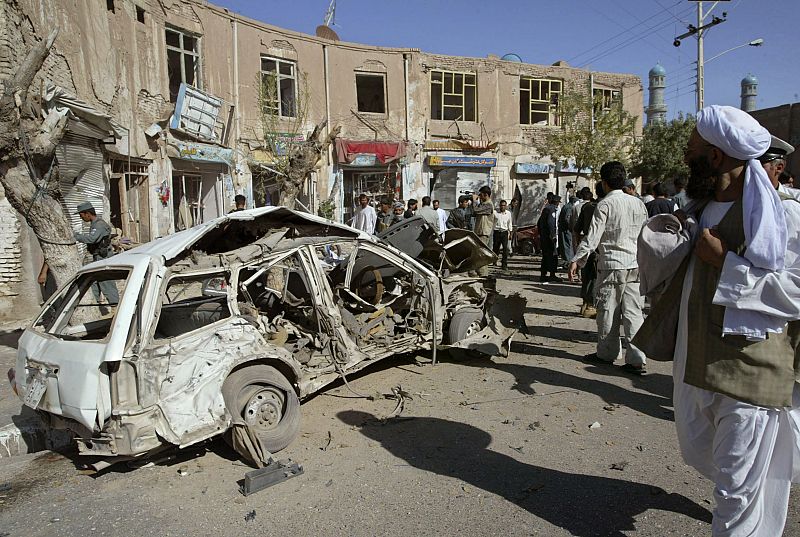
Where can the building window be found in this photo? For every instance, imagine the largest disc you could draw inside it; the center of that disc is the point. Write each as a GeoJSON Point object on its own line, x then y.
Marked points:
{"type": "Point", "coordinates": [538, 101]}
{"type": "Point", "coordinates": [371, 92]}
{"type": "Point", "coordinates": [604, 99]}
{"type": "Point", "coordinates": [140, 14]}
{"type": "Point", "coordinates": [454, 96]}
{"type": "Point", "coordinates": [279, 87]}
{"type": "Point", "coordinates": [183, 61]}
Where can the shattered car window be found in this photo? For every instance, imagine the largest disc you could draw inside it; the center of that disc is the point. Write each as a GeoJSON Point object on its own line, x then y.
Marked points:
{"type": "Point", "coordinates": [191, 302]}
{"type": "Point", "coordinates": [85, 309]}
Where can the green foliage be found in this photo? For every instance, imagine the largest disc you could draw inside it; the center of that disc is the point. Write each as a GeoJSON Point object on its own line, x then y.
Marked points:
{"type": "Point", "coordinates": [589, 146]}
{"type": "Point", "coordinates": [659, 154]}
{"type": "Point", "coordinates": [327, 209]}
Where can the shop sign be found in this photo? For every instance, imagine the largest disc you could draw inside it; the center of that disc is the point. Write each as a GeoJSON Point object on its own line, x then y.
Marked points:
{"type": "Point", "coordinates": [365, 159]}
{"type": "Point", "coordinates": [203, 152]}
{"type": "Point", "coordinates": [282, 140]}
{"type": "Point", "coordinates": [534, 167]}
{"type": "Point", "coordinates": [462, 161]}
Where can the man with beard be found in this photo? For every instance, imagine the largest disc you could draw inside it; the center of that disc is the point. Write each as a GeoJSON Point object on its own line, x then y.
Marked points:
{"type": "Point", "coordinates": [737, 405]}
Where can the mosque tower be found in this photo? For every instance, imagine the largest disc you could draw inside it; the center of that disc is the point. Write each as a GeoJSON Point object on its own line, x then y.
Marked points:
{"type": "Point", "coordinates": [749, 92]}
{"type": "Point", "coordinates": [657, 109]}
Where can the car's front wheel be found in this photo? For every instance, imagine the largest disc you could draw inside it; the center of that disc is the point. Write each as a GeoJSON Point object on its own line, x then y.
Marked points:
{"type": "Point", "coordinates": [266, 402]}
{"type": "Point", "coordinates": [465, 323]}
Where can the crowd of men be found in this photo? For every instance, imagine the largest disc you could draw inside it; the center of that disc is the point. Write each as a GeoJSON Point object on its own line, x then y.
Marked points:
{"type": "Point", "coordinates": [474, 212]}
{"type": "Point", "coordinates": [719, 262]}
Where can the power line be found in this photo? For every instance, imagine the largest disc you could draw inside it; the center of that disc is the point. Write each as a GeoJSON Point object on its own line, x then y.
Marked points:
{"type": "Point", "coordinates": [671, 14]}
{"type": "Point", "coordinates": [627, 43]}
{"type": "Point", "coordinates": [622, 33]}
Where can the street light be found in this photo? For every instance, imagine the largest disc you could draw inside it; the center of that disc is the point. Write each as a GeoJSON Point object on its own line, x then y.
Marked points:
{"type": "Point", "coordinates": [754, 43]}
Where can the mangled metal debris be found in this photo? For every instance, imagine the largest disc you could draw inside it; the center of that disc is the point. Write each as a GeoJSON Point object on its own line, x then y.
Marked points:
{"type": "Point", "coordinates": [225, 327]}
{"type": "Point", "coordinates": [273, 473]}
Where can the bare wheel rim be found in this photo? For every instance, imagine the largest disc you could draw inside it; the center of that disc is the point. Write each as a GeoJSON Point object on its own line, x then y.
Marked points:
{"type": "Point", "coordinates": [264, 408]}
{"type": "Point", "coordinates": [473, 328]}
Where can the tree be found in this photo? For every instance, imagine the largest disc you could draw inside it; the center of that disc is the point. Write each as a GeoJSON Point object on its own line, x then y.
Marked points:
{"type": "Point", "coordinates": [659, 153]}
{"type": "Point", "coordinates": [28, 171]}
{"type": "Point", "coordinates": [589, 135]}
{"type": "Point", "coordinates": [284, 120]}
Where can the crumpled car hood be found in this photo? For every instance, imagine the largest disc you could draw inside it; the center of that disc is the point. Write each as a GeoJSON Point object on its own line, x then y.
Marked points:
{"type": "Point", "coordinates": [459, 251]}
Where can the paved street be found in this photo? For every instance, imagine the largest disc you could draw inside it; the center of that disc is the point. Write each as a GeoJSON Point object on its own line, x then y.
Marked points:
{"type": "Point", "coordinates": [505, 446]}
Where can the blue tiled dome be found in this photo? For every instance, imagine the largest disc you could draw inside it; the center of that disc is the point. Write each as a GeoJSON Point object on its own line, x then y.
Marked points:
{"type": "Point", "coordinates": [658, 70]}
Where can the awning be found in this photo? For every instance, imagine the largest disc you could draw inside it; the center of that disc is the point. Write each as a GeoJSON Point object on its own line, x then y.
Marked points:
{"type": "Point", "coordinates": [385, 152]}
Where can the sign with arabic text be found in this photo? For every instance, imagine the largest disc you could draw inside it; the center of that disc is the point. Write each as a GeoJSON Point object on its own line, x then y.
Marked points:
{"type": "Point", "coordinates": [461, 161]}
{"type": "Point", "coordinates": [534, 167]}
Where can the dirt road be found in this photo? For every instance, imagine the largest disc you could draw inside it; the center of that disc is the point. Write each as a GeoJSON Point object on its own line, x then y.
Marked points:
{"type": "Point", "coordinates": [486, 447]}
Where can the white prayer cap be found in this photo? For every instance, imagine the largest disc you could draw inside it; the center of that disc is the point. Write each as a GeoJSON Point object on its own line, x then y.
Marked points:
{"type": "Point", "coordinates": [737, 134]}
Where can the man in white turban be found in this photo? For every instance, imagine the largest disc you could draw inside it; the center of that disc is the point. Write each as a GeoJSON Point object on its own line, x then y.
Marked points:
{"type": "Point", "coordinates": [737, 408]}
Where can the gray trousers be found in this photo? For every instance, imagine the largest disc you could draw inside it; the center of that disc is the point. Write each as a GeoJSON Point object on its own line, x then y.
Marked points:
{"type": "Point", "coordinates": [618, 302]}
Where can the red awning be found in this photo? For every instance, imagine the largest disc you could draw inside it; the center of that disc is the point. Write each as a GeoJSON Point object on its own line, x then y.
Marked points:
{"type": "Point", "coordinates": [386, 152]}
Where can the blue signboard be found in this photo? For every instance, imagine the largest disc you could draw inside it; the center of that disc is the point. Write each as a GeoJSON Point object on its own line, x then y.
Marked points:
{"type": "Point", "coordinates": [461, 161]}
{"type": "Point", "coordinates": [203, 152]}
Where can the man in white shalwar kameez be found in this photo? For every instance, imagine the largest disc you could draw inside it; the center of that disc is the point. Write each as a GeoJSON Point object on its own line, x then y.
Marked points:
{"type": "Point", "coordinates": [740, 434]}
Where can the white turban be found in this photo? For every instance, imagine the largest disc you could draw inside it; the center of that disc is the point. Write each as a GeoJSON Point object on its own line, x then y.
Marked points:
{"type": "Point", "coordinates": [739, 135]}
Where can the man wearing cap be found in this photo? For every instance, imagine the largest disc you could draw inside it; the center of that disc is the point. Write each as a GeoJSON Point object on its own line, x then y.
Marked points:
{"type": "Point", "coordinates": [735, 395]}
{"type": "Point", "coordinates": [398, 210]}
{"type": "Point", "coordinates": [98, 244]}
{"type": "Point", "coordinates": [615, 226]}
{"type": "Point", "coordinates": [774, 162]}
{"type": "Point", "coordinates": [384, 216]}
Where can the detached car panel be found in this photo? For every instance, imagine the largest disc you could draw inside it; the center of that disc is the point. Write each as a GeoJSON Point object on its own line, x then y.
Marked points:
{"type": "Point", "coordinates": [225, 327]}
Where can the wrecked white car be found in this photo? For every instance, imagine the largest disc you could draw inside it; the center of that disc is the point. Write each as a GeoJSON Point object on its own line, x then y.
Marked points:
{"type": "Point", "coordinates": [228, 325]}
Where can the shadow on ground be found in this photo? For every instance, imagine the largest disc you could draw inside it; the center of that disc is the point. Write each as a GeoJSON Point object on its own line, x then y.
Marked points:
{"type": "Point", "coordinates": [584, 505]}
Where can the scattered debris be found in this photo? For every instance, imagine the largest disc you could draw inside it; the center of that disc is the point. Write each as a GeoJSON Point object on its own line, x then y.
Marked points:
{"type": "Point", "coordinates": [535, 425]}
{"type": "Point", "coordinates": [183, 471]}
{"type": "Point", "coordinates": [595, 425]}
{"type": "Point", "coordinates": [5, 487]}
{"type": "Point", "coordinates": [273, 473]}
{"type": "Point", "coordinates": [54, 520]}
{"type": "Point", "coordinates": [249, 517]}
{"type": "Point", "coordinates": [640, 447]}
{"type": "Point", "coordinates": [399, 394]}
{"type": "Point", "coordinates": [611, 408]}
{"type": "Point", "coordinates": [328, 443]}
{"type": "Point", "coordinates": [519, 449]}
{"type": "Point", "coordinates": [619, 466]}
{"type": "Point", "coordinates": [467, 403]}
{"type": "Point", "coordinates": [329, 483]}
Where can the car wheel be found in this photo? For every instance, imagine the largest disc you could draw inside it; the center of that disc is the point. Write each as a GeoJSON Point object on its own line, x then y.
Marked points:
{"type": "Point", "coordinates": [526, 247]}
{"type": "Point", "coordinates": [465, 323]}
{"type": "Point", "coordinates": [267, 403]}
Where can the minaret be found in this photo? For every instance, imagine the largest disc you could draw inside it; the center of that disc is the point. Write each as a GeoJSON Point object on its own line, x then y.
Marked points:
{"type": "Point", "coordinates": [657, 109]}
{"type": "Point", "coordinates": [749, 92]}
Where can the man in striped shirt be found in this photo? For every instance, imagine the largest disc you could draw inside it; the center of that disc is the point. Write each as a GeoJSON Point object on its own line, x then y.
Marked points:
{"type": "Point", "coordinates": [615, 227]}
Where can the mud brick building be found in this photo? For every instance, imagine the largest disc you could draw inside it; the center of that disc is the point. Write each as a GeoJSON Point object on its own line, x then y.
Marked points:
{"type": "Point", "coordinates": [166, 124]}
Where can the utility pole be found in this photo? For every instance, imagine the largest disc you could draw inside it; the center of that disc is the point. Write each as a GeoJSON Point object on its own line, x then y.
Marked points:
{"type": "Point", "coordinates": [699, 31]}
{"type": "Point", "coordinates": [700, 66]}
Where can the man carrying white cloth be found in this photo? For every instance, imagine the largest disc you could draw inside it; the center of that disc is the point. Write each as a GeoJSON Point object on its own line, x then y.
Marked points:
{"type": "Point", "coordinates": [737, 405]}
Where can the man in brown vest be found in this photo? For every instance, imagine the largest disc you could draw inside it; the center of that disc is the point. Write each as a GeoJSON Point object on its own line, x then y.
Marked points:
{"type": "Point", "coordinates": [737, 406]}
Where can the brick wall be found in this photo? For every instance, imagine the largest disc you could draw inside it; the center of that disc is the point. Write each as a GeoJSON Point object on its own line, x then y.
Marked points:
{"type": "Point", "coordinates": [10, 256]}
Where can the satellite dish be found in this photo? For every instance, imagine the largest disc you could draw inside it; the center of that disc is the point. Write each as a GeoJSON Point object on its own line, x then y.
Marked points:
{"type": "Point", "coordinates": [326, 32]}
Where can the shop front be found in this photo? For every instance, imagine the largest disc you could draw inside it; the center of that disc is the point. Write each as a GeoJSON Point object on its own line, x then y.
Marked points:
{"type": "Point", "coordinates": [371, 168]}
{"type": "Point", "coordinates": [202, 186]}
{"type": "Point", "coordinates": [454, 175]}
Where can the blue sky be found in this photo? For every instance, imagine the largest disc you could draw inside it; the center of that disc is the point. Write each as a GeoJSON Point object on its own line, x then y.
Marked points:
{"type": "Point", "coordinates": [627, 36]}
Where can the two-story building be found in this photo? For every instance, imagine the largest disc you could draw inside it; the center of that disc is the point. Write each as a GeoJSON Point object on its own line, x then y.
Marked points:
{"type": "Point", "coordinates": [167, 101]}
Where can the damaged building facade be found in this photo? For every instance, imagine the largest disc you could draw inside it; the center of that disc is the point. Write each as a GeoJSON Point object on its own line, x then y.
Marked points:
{"type": "Point", "coordinates": [166, 121]}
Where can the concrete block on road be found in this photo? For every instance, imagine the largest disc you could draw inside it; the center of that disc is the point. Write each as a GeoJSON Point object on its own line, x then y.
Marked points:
{"type": "Point", "coordinates": [30, 435]}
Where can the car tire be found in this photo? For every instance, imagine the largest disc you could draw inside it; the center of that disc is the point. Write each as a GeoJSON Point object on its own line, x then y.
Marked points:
{"type": "Point", "coordinates": [465, 322]}
{"type": "Point", "coordinates": [267, 402]}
